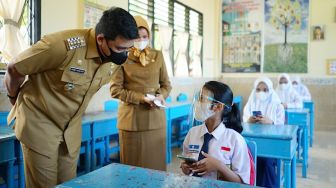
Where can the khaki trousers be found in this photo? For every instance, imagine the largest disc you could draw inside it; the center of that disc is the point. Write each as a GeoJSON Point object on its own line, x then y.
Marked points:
{"type": "Point", "coordinates": [47, 171]}
{"type": "Point", "coordinates": [145, 149]}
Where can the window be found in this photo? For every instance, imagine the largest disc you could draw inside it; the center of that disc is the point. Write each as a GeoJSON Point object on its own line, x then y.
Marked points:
{"type": "Point", "coordinates": [30, 21]}
{"type": "Point", "coordinates": [169, 14]}
{"type": "Point", "coordinates": [30, 26]}
{"type": "Point", "coordinates": [179, 17]}
{"type": "Point", "coordinates": [162, 12]}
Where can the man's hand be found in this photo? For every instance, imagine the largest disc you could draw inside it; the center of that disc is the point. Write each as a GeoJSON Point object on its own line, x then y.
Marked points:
{"type": "Point", "coordinates": [13, 81]}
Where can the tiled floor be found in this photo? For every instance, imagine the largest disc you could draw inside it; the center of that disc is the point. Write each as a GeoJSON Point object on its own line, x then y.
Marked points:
{"type": "Point", "coordinates": [322, 162]}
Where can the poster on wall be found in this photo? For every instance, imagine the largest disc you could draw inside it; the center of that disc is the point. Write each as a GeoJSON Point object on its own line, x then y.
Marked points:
{"type": "Point", "coordinates": [242, 22]}
{"type": "Point", "coordinates": [286, 36]}
{"type": "Point", "coordinates": [92, 14]}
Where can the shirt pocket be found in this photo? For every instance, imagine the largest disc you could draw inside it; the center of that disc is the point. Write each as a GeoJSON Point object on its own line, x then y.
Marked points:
{"type": "Point", "coordinates": [74, 83]}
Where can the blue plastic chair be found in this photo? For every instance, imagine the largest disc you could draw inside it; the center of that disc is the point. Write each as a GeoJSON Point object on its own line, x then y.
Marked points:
{"type": "Point", "coordinates": [84, 162]}
{"type": "Point", "coordinates": [111, 105]}
{"type": "Point", "coordinates": [169, 99]}
{"type": "Point", "coordinates": [3, 118]}
{"type": "Point", "coordinates": [238, 100]}
{"type": "Point", "coordinates": [182, 97]}
{"type": "Point", "coordinates": [253, 150]}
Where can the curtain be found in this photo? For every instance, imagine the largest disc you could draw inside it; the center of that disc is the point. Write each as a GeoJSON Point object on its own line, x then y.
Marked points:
{"type": "Point", "coordinates": [181, 64]}
{"type": "Point", "coordinates": [11, 39]}
{"type": "Point", "coordinates": [195, 54]}
{"type": "Point", "coordinates": [165, 33]}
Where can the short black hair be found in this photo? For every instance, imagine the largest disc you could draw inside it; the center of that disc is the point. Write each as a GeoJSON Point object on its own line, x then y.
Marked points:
{"type": "Point", "coordinates": [117, 21]}
{"type": "Point", "coordinates": [230, 115]}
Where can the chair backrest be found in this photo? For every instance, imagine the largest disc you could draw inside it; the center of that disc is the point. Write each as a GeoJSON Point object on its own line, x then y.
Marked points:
{"type": "Point", "coordinates": [253, 150]}
{"type": "Point", "coordinates": [238, 100]}
{"type": "Point", "coordinates": [169, 99]}
{"type": "Point", "coordinates": [3, 118]}
{"type": "Point", "coordinates": [182, 97]}
{"type": "Point", "coordinates": [111, 105]}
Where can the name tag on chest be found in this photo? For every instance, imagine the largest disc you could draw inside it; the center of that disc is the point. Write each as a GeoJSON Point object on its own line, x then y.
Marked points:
{"type": "Point", "coordinates": [77, 70]}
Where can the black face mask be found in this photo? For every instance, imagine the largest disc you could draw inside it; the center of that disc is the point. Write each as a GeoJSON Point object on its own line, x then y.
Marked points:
{"type": "Point", "coordinates": [116, 58]}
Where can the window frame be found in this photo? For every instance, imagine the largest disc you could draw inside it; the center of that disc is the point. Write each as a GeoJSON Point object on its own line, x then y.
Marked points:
{"type": "Point", "coordinates": [171, 23]}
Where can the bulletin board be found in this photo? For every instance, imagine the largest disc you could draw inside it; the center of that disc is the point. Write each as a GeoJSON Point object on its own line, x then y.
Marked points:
{"type": "Point", "coordinates": [331, 66]}
{"type": "Point", "coordinates": [92, 14]}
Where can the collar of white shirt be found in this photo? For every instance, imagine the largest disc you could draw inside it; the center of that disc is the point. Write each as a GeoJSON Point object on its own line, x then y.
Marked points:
{"type": "Point", "coordinates": [216, 133]}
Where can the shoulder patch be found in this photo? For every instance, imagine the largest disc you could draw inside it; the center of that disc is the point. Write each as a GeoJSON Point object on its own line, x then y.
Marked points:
{"type": "Point", "coordinates": [75, 42]}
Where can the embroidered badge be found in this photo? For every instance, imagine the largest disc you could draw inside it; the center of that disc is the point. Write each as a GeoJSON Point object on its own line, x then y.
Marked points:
{"type": "Point", "coordinates": [69, 86]}
{"type": "Point", "coordinates": [225, 148]}
{"type": "Point", "coordinates": [193, 148]}
{"type": "Point", "coordinates": [77, 70]}
{"type": "Point", "coordinates": [75, 42]}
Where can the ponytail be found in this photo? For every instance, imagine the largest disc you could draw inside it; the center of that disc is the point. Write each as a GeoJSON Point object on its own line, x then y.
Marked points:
{"type": "Point", "coordinates": [230, 114]}
{"type": "Point", "coordinates": [231, 118]}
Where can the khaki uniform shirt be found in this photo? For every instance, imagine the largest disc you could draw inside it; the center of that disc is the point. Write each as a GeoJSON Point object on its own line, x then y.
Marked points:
{"type": "Point", "coordinates": [131, 82]}
{"type": "Point", "coordinates": [60, 84]}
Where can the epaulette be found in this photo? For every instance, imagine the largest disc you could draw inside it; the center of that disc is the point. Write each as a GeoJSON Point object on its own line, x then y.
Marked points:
{"type": "Point", "coordinates": [75, 42]}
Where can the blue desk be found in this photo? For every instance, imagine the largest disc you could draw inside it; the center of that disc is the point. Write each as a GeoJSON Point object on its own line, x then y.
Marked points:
{"type": "Point", "coordinates": [174, 110]}
{"type": "Point", "coordinates": [275, 141]}
{"type": "Point", "coordinates": [118, 175]}
{"type": "Point", "coordinates": [300, 117]}
{"type": "Point", "coordinates": [310, 105]}
{"type": "Point", "coordinates": [10, 150]}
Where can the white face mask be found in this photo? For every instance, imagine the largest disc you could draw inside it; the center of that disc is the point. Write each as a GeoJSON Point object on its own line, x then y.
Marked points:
{"type": "Point", "coordinates": [141, 44]}
{"type": "Point", "coordinates": [284, 86]}
{"type": "Point", "coordinates": [202, 111]}
{"type": "Point", "coordinates": [262, 96]}
{"type": "Point", "coordinates": [295, 86]}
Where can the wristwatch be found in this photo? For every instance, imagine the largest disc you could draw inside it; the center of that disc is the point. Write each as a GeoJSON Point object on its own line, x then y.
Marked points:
{"type": "Point", "coordinates": [10, 97]}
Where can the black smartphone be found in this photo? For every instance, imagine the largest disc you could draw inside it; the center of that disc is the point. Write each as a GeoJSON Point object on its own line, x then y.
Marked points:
{"type": "Point", "coordinates": [187, 159]}
{"type": "Point", "coordinates": [256, 113]}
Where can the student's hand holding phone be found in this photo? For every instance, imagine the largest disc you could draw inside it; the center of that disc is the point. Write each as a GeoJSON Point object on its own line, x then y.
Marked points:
{"type": "Point", "coordinates": [206, 165]}
{"type": "Point", "coordinates": [252, 119]}
{"type": "Point", "coordinates": [264, 120]}
{"type": "Point", "coordinates": [186, 167]}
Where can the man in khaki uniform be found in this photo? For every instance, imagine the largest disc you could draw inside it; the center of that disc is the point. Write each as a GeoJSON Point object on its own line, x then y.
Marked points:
{"type": "Point", "coordinates": [65, 69]}
{"type": "Point", "coordinates": [141, 124]}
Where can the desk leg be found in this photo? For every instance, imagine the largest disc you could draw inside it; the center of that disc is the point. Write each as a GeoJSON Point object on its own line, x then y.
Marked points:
{"type": "Point", "coordinates": [287, 173]}
{"type": "Point", "coordinates": [279, 177]}
{"type": "Point", "coordinates": [10, 174]}
{"type": "Point", "coordinates": [19, 159]}
{"type": "Point", "coordinates": [305, 153]}
{"type": "Point", "coordinates": [311, 127]}
{"type": "Point", "coordinates": [21, 169]}
{"type": "Point", "coordinates": [87, 156]}
{"type": "Point", "coordinates": [168, 144]}
{"type": "Point", "coordinates": [293, 179]}
{"type": "Point", "coordinates": [93, 155]}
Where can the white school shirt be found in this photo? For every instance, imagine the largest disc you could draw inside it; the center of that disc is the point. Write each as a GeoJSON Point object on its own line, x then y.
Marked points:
{"type": "Point", "coordinates": [227, 145]}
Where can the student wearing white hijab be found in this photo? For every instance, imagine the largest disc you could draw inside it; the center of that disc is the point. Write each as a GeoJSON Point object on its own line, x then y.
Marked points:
{"type": "Point", "coordinates": [300, 88]}
{"type": "Point", "coordinates": [288, 96]}
{"type": "Point", "coordinates": [264, 99]}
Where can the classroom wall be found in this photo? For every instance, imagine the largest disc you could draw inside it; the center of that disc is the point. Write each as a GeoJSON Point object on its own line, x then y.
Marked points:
{"type": "Point", "coordinates": [321, 85]}
{"type": "Point", "coordinates": [64, 14]}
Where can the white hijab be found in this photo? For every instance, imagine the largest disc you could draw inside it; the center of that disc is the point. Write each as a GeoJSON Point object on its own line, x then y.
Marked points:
{"type": "Point", "coordinates": [301, 89]}
{"type": "Point", "coordinates": [289, 95]}
{"type": "Point", "coordinates": [267, 107]}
